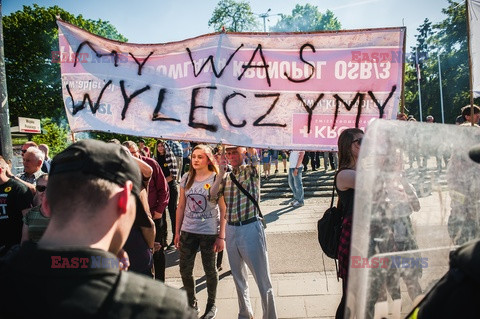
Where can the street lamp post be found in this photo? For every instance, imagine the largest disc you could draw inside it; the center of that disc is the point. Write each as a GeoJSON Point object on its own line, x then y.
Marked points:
{"type": "Point", "coordinates": [265, 15]}
{"type": "Point", "coordinates": [440, 83]}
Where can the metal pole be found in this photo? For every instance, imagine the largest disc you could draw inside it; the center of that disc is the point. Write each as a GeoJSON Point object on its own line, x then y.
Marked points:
{"type": "Point", "coordinates": [402, 106]}
{"type": "Point", "coordinates": [5, 135]}
{"type": "Point", "coordinates": [265, 16]}
{"type": "Point", "coordinates": [419, 90]}
{"type": "Point", "coordinates": [441, 89]}
{"type": "Point", "coordinates": [470, 63]}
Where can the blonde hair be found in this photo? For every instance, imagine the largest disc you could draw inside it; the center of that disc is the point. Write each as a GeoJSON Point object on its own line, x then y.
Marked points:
{"type": "Point", "coordinates": [211, 165]}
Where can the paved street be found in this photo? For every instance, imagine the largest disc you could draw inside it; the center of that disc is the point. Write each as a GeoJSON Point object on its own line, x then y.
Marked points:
{"type": "Point", "coordinates": [304, 283]}
{"type": "Point", "coordinates": [302, 288]}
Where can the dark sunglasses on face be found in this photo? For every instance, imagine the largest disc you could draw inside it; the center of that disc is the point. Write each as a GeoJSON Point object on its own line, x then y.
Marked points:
{"type": "Point", "coordinates": [358, 140]}
{"type": "Point", "coordinates": [24, 151]}
{"type": "Point", "coordinates": [40, 188]}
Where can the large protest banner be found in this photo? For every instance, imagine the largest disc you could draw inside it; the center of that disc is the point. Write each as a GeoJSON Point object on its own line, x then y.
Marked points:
{"type": "Point", "coordinates": [474, 22]}
{"type": "Point", "coordinates": [277, 90]}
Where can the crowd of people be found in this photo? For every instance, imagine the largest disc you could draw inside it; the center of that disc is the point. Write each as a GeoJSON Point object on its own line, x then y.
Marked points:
{"type": "Point", "coordinates": [96, 202]}
{"type": "Point", "coordinates": [80, 204]}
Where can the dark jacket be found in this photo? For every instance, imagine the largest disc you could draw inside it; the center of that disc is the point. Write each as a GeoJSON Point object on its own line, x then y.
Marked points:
{"type": "Point", "coordinates": [81, 283]}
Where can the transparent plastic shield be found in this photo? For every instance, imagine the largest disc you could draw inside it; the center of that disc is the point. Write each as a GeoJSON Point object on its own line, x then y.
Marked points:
{"type": "Point", "coordinates": [416, 199]}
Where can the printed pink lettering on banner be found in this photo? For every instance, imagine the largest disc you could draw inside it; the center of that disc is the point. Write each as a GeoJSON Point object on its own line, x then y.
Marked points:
{"type": "Point", "coordinates": [321, 132]}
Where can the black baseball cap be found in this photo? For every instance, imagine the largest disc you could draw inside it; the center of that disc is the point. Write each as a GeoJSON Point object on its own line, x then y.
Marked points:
{"type": "Point", "coordinates": [104, 160]}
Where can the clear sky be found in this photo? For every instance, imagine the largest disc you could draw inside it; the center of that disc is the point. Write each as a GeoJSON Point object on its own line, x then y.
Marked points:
{"type": "Point", "coordinates": [159, 21]}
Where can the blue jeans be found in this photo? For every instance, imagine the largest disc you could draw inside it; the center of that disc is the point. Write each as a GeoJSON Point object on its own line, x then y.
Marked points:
{"type": "Point", "coordinates": [296, 185]}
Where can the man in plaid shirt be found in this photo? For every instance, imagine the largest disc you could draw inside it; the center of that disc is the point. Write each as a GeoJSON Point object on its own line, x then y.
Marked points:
{"type": "Point", "coordinates": [177, 150]}
{"type": "Point", "coordinates": [245, 235]}
{"type": "Point", "coordinates": [168, 163]}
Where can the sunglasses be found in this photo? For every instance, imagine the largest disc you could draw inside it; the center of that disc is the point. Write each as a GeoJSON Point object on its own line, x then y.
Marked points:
{"type": "Point", "coordinates": [358, 140]}
{"type": "Point", "coordinates": [24, 151]}
{"type": "Point", "coordinates": [40, 188]}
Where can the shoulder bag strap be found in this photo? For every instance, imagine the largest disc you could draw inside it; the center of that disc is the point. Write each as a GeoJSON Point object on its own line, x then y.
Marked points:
{"type": "Point", "coordinates": [244, 191]}
{"type": "Point", "coordinates": [333, 189]}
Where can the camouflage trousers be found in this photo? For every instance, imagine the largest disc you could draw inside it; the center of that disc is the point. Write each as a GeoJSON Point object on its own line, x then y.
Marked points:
{"type": "Point", "coordinates": [189, 245]}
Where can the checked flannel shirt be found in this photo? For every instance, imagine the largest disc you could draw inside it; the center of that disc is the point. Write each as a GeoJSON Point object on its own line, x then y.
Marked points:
{"type": "Point", "coordinates": [239, 207]}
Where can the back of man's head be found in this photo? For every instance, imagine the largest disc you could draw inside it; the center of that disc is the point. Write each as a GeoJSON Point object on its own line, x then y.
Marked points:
{"type": "Point", "coordinates": [76, 195]}
{"type": "Point", "coordinates": [83, 178]}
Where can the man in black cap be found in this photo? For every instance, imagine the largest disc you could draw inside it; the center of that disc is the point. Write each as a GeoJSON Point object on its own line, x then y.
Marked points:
{"type": "Point", "coordinates": [93, 201]}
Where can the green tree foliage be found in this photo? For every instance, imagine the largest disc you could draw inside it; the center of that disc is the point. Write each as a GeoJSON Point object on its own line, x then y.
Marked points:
{"type": "Point", "coordinates": [33, 81]}
{"type": "Point", "coordinates": [449, 39]}
{"type": "Point", "coordinates": [420, 52]}
{"type": "Point", "coordinates": [55, 136]}
{"type": "Point", "coordinates": [234, 16]}
{"type": "Point", "coordinates": [307, 18]}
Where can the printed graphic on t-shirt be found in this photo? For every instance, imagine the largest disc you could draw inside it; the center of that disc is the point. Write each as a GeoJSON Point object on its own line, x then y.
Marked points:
{"type": "Point", "coordinates": [197, 204]}
{"type": "Point", "coordinates": [3, 206]}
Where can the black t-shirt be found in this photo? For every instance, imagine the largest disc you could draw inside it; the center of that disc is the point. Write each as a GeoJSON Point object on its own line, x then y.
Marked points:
{"type": "Point", "coordinates": [163, 165]}
{"type": "Point", "coordinates": [14, 197]}
{"type": "Point", "coordinates": [82, 282]}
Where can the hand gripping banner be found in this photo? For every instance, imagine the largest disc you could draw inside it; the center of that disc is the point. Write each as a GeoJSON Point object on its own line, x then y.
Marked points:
{"type": "Point", "coordinates": [275, 90]}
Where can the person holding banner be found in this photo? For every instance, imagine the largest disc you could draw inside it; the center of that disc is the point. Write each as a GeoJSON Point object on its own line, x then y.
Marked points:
{"type": "Point", "coordinates": [200, 225]}
{"type": "Point", "coordinates": [245, 234]}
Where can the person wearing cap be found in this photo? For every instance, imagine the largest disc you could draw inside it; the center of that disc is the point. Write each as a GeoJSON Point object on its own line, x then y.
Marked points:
{"type": "Point", "coordinates": [93, 199]}
{"type": "Point", "coordinates": [245, 234]}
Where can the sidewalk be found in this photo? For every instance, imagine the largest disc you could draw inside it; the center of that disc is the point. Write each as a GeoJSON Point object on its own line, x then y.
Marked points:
{"type": "Point", "coordinates": [298, 295]}
{"type": "Point", "coordinates": [298, 279]}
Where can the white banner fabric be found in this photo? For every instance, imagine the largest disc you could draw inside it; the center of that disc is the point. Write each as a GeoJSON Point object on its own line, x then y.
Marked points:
{"type": "Point", "coordinates": [275, 90]}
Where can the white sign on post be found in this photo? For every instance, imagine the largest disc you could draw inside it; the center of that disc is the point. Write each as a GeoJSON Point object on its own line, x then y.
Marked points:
{"type": "Point", "coordinates": [28, 125]}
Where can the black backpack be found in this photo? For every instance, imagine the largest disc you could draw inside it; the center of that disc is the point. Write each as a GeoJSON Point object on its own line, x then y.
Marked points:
{"type": "Point", "coordinates": [329, 228]}
{"type": "Point", "coordinates": [457, 294]}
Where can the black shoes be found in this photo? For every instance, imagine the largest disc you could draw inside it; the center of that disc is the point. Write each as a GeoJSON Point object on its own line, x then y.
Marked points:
{"type": "Point", "coordinates": [210, 312]}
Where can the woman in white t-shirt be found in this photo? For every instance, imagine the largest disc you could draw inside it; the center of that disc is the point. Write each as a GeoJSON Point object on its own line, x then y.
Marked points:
{"type": "Point", "coordinates": [200, 224]}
